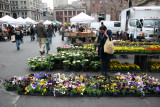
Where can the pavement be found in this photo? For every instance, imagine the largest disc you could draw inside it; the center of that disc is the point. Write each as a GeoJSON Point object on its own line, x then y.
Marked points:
{"type": "Point", "coordinates": [14, 63]}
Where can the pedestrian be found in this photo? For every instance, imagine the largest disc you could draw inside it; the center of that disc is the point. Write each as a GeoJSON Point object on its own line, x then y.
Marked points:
{"type": "Point", "coordinates": [32, 33]}
{"type": "Point", "coordinates": [63, 31]}
{"type": "Point", "coordinates": [105, 58]}
{"type": "Point", "coordinates": [55, 28]}
{"type": "Point", "coordinates": [42, 37]}
{"type": "Point", "coordinates": [53, 32]}
{"type": "Point", "coordinates": [18, 37]}
{"type": "Point", "coordinates": [49, 32]}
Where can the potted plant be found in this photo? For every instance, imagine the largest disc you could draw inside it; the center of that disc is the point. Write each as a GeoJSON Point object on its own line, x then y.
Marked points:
{"type": "Point", "coordinates": [66, 65]}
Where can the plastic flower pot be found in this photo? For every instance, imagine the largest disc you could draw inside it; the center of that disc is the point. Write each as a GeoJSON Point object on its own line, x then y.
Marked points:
{"type": "Point", "coordinates": [66, 68]}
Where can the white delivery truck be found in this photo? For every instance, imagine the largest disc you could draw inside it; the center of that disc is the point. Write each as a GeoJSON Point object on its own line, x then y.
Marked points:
{"type": "Point", "coordinates": [115, 26]}
{"type": "Point", "coordinates": [142, 20]}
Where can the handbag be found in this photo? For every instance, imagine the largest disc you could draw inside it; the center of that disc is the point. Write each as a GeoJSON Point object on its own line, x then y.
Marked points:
{"type": "Point", "coordinates": [109, 46]}
{"type": "Point", "coordinates": [13, 39]}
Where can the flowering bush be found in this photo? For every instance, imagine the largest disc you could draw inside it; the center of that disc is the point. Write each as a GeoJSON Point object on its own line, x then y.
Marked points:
{"type": "Point", "coordinates": [85, 85]}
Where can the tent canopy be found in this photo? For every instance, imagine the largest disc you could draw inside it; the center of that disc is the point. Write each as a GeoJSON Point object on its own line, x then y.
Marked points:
{"type": "Point", "coordinates": [7, 18]}
{"type": "Point", "coordinates": [47, 22]}
{"type": "Point", "coordinates": [82, 18]}
{"type": "Point", "coordinates": [30, 21]}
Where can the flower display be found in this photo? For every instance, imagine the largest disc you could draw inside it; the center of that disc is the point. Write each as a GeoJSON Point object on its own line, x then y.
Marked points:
{"type": "Point", "coordinates": [130, 49]}
{"type": "Point", "coordinates": [155, 65]}
{"type": "Point", "coordinates": [85, 85]}
{"type": "Point", "coordinates": [140, 50]}
{"type": "Point", "coordinates": [80, 60]}
{"type": "Point", "coordinates": [127, 43]}
{"type": "Point", "coordinates": [117, 66]}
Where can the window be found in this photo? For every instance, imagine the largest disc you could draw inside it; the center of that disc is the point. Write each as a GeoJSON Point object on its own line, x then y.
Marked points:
{"type": "Point", "coordinates": [25, 13]}
{"type": "Point", "coordinates": [24, 2]}
{"type": "Point", "coordinates": [132, 22]}
{"type": "Point", "coordinates": [22, 13]}
{"type": "Point", "coordinates": [117, 24]}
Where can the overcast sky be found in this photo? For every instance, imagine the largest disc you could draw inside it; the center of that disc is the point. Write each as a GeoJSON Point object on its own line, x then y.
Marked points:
{"type": "Point", "coordinates": [50, 2]}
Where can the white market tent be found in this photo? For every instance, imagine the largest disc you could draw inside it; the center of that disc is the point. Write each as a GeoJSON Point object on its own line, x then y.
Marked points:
{"type": "Point", "coordinates": [8, 19]}
{"type": "Point", "coordinates": [82, 18]}
{"type": "Point", "coordinates": [21, 20]}
{"type": "Point", "coordinates": [47, 22]}
{"type": "Point", "coordinates": [30, 21]}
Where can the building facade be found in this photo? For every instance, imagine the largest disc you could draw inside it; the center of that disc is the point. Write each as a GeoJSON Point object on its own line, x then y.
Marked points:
{"type": "Point", "coordinates": [27, 8]}
{"type": "Point", "coordinates": [98, 9]}
{"type": "Point", "coordinates": [59, 2]}
{"type": "Point", "coordinates": [5, 8]}
{"type": "Point", "coordinates": [63, 13]}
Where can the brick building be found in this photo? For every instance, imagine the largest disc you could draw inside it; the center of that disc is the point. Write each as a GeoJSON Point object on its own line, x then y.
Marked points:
{"type": "Point", "coordinates": [98, 9]}
{"type": "Point", "coordinates": [63, 13]}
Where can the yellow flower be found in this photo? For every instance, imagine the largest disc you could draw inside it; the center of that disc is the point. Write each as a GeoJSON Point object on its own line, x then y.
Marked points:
{"type": "Point", "coordinates": [25, 93]}
{"type": "Point", "coordinates": [41, 83]}
{"type": "Point", "coordinates": [118, 77]}
{"type": "Point", "coordinates": [26, 88]}
{"type": "Point", "coordinates": [132, 87]}
{"type": "Point", "coordinates": [114, 84]}
{"type": "Point", "coordinates": [55, 85]}
{"type": "Point", "coordinates": [42, 94]}
{"type": "Point", "coordinates": [45, 90]}
{"type": "Point", "coordinates": [27, 75]}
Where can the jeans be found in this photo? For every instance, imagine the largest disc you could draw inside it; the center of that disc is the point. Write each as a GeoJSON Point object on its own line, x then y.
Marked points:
{"type": "Point", "coordinates": [32, 37]}
{"type": "Point", "coordinates": [54, 34]}
{"type": "Point", "coordinates": [105, 64]}
{"type": "Point", "coordinates": [50, 38]}
{"type": "Point", "coordinates": [18, 42]}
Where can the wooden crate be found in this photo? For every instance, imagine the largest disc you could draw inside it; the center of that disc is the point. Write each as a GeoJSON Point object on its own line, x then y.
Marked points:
{"type": "Point", "coordinates": [79, 34]}
{"type": "Point", "coordinates": [84, 34]}
{"type": "Point", "coordinates": [73, 34]}
{"type": "Point", "coordinates": [90, 35]}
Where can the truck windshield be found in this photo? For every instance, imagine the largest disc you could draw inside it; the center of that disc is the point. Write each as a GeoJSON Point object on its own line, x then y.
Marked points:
{"type": "Point", "coordinates": [150, 23]}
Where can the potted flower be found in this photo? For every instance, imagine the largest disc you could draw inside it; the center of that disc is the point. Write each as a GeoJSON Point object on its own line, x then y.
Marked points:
{"type": "Point", "coordinates": [66, 65]}
{"type": "Point", "coordinates": [76, 65]}
{"type": "Point", "coordinates": [95, 65]}
{"type": "Point", "coordinates": [85, 64]}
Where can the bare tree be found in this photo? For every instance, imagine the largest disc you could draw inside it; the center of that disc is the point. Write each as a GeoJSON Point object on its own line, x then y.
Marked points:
{"type": "Point", "coordinates": [116, 7]}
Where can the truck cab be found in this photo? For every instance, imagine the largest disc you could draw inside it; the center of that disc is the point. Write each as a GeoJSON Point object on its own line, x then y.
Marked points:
{"type": "Point", "coordinates": [146, 28]}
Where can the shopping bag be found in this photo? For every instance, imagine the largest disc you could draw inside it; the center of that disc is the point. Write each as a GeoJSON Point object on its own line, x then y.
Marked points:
{"type": "Point", "coordinates": [109, 46]}
{"type": "Point", "coordinates": [13, 39]}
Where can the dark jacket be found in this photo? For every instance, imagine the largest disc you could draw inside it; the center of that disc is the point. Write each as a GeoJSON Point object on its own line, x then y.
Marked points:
{"type": "Point", "coordinates": [81, 29]}
{"type": "Point", "coordinates": [102, 42]}
{"type": "Point", "coordinates": [18, 35]}
{"type": "Point", "coordinates": [49, 31]}
{"type": "Point", "coordinates": [41, 31]}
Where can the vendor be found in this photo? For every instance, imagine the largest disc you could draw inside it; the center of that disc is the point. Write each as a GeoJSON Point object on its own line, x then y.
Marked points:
{"type": "Point", "coordinates": [82, 29]}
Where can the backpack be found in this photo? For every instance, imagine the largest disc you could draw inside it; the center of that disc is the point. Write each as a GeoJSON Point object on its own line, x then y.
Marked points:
{"type": "Point", "coordinates": [109, 46]}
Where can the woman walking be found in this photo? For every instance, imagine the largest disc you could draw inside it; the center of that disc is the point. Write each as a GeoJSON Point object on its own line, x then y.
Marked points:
{"type": "Point", "coordinates": [105, 58]}
{"type": "Point", "coordinates": [32, 33]}
{"type": "Point", "coordinates": [49, 32]}
{"type": "Point", "coordinates": [18, 37]}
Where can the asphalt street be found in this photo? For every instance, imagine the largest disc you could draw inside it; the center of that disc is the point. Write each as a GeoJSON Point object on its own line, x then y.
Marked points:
{"type": "Point", "coordinates": [14, 63]}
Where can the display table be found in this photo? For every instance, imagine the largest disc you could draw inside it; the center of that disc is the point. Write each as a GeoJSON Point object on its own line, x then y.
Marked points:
{"type": "Point", "coordinates": [141, 59]}
{"type": "Point", "coordinates": [73, 36]}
